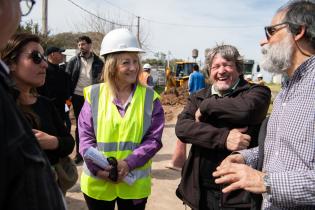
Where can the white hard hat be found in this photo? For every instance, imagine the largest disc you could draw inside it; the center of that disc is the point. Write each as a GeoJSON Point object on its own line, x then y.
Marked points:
{"type": "Point", "coordinates": [146, 66]}
{"type": "Point", "coordinates": [119, 40]}
{"type": "Point", "coordinates": [260, 75]}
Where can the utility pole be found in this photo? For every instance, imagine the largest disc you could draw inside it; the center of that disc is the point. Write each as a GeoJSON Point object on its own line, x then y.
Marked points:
{"type": "Point", "coordinates": [138, 33]}
{"type": "Point", "coordinates": [44, 18]}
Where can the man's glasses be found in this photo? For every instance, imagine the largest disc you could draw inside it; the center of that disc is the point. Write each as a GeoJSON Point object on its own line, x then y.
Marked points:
{"type": "Point", "coordinates": [271, 30]}
{"type": "Point", "coordinates": [36, 57]}
{"type": "Point", "coordinates": [26, 6]}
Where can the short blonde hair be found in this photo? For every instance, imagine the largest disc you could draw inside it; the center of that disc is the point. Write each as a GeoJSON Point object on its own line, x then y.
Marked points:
{"type": "Point", "coordinates": [110, 69]}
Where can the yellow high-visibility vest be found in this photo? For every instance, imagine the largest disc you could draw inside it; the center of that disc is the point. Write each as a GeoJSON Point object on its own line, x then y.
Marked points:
{"type": "Point", "coordinates": [117, 137]}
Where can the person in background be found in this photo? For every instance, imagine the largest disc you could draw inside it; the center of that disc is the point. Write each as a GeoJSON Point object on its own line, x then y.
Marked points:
{"type": "Point", "coordinates": [145, 76]}
{"type": "Point", "coordinates": [249, 78]}
{"type": "Point", "coordinates": [57, 82]}
{"type": "Point", "coordinates": [26, 179]}
{"type": "Point", "coordinates": [124, 120]}
{"type": "Point", "coordinates": [217, 121]}
{"type": "Point", "coordinates": [287, 179]}
{"type": "Point", "coordinates": [24, 56]}
{"type": "Point", "coordinates": [260, 80]}
{"type": "Point", "coordinates": [84, 69]}
{"type": "Point", "coordinates": [196, 80]}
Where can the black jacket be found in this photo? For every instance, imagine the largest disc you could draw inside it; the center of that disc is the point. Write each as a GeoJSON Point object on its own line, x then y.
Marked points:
{"type": "Point", "coordinates": [74, 66]}
{"type": "Point", "coordinates": [247, 105]}
{"type": "Point", "coordinates": [56, 87]}
{"type": "Point", "coordinates": [26, 179]}
{"type": "Point", "coordinates": [51, 123]}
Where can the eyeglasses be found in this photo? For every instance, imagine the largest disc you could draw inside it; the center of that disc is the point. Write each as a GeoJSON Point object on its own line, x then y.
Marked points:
{"type": "Point", "coordinates": [113, 173]}
{"type": "Point", "coordinates": [271, 30]}
{"type": "Point", "coordinates": [26, 6]}
{"type": "Point", "coordinates": [36, 57]}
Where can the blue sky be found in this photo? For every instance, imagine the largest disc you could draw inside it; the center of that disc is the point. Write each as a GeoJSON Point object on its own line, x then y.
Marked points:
{"type": "Point", "coordinates": [189, 24]}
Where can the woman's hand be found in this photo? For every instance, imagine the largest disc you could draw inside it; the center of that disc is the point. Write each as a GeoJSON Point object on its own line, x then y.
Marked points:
{"type": "Point", "coordinates": [104, 174]}
{"type": "Point", "coordinates": [45, 140]}
{"type": "Point", "coordinates": [123, 169]}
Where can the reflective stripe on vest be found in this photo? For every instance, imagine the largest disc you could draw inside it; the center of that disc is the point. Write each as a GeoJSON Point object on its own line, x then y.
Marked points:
{"type": "Point", "coordinates": [113, 146]}
{"type": "Point", "coordinates": [94, 100]}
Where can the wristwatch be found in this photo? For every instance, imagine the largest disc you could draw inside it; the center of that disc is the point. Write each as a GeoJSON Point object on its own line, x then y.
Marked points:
{"type": "Point", "coordinates": [267, 184]}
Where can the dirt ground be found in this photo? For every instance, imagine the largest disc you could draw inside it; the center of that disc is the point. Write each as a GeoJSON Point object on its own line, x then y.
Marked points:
{"type": "Point", "coordinates": [164, 180]}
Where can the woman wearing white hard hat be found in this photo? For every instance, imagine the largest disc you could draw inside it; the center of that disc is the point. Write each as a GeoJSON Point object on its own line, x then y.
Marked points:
{"type": "Point", "coordinates": [124, 120]}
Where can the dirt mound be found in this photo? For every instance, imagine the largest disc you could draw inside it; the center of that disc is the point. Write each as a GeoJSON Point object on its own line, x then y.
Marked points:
{"type": "Point", "coordinates": [174, 102]}
{"type": "Point", "coordinates": [175, 99]}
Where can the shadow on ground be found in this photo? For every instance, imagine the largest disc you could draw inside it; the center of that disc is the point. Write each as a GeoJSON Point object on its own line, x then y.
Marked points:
{"type": "Point", "coordinates": [165, 174]}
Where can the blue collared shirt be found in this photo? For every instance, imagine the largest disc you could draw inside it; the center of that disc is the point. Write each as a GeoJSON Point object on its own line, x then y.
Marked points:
{"type": "Point", "coordinates": [289, 155]}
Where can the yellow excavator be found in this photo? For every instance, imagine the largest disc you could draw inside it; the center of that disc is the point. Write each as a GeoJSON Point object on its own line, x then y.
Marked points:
{"type": "Point", "coordinates": [179, 77]}
{"type": "Point", "coordinates": [170, 86]}
{"type": "Point", "coordinates": [182, 71]}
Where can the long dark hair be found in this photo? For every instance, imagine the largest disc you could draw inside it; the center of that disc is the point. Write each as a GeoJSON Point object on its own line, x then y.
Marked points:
{"type": "Point", "coordinates": [10, 55]}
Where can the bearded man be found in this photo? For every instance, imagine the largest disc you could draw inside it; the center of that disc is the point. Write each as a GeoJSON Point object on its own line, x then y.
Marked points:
{"type": "Point", "coordinates": [217, 121]}
{"type": "Point", "coordinates": [287, 180]}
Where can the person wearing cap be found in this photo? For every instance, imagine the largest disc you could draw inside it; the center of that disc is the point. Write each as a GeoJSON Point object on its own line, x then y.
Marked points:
{"type": "Point", "coordinates": [84, 69]}
{"type": "Point", "coordinates": [145, 76]}
{"type": "Point", "coordinates": [57, 82]}
{"type": "Point", "coordinates": [124, 120]}
{"type": "Point", "coordinates": [260, 80]}
{"type": "Point", "coordinates": [249, 78]}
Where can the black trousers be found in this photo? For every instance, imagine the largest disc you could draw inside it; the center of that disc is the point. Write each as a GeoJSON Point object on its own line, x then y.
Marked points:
{"type": "Point", "coordinates": [122, 204]}
{"type": "Point", "coordinates": [77, 103]}
{"type": "Point", "coordinates": [210, 199]}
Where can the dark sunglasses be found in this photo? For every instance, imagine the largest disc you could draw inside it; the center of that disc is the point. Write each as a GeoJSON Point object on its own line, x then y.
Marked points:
{"type": "Point", "coordinates": [37, 57]}
{"type": "Point", "coordinates": [271, 30]}
{"type": "Point", "coordinates": [113, 173]}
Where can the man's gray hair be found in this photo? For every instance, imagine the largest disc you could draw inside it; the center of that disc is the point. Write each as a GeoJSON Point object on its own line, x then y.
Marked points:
{"type": "Point", "coordinates": [300, 13]}
{"type": "Point", "coordinates": [229, 53]}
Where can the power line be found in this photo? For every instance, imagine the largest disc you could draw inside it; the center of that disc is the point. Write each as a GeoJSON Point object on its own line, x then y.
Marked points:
{"type": "Point", "coordinates": [179, 24]}
{"type": "Point", "coordinates": [87, 11]}
{"type": "Point", "coordinates": [120, 8]}
{"type": "Point", "coordinates": [160, 22]}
